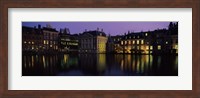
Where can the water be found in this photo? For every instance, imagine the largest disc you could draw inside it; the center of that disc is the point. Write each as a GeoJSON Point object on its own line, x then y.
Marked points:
{"type": "Point", "coordinates": [99, 65]}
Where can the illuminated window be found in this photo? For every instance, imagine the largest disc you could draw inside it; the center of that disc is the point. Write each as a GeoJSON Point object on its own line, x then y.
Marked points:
{"type": "Point", "coordinates": [138, 47]}
{"type": "Point", "coordinates": [151, 47]}
{"type": "Point", "coordinates": [122, 42]}
{"type": "Point", "coordinates": [32, 47]}
{"type": "Point", "coordinates": [24, 42]}
{"type": "Point", "coordinates": [29, 42]}
{"type": "Point", "coordinates": [44, 42]}
{"type": "Point", "coordinates": [176, 46]}
{"type": "Point", "coordinates": [159, 47]}
{"type": "Point", "coordinates": [147, 47]}
{"type": "Point", "coordinates": [32, 42]}
{"type": "Point", "coordinates": [166, 42]}
{"type": "Point", "coordinates": [146, 34]}
{"type": "Point", "coordinates": [47, 42]}
{"type": "Point", "coordinates": [50, 45]}
{"type": "Point", "coordinates": [133, 42]}
{"type": "Point", "coordinates": [142, 41]}
{"type": "Point", "coordinates": [125, 42]}
{"type": "Point", "coordinates": [129, 42]}
{"type": "Point", "coordinates": [138, 41]}
{"type": "Point", "coordinates": [142, 47]}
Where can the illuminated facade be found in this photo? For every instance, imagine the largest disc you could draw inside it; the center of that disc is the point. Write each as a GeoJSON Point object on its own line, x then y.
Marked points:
{"type": "Point", "coordinates": [39, 39]}
{"type": "Point", "coordinates": [92, 42]}
{"type": "Point", "coordinates": [68, 42]}
{"type": "Point", "coordinates": [151, 42]}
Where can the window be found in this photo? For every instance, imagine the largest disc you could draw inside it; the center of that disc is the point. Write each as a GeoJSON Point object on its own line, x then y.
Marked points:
{"type": "Point", "coordinates": [159, 47]}
{"type": "Point", "coordinates": [129, 42]}
{"type": "Point", "coordinates": [151, 47]}
{"type": "Point", "coordinates": [147, 47]}
{"type": "Point", "coordinates": [166, 42]}
{"type": "Point", "coordinates": [142, 41]}
{"type": "Point", "coordinates": [138, 41]}
{"type": "Point", "coordinates": [121, 42]}
{"type": "Point", "coordinates": [133, 42]}
{"type": "Point", "coordinates": [125, 42]}
{"type": "Point", "coordinates": [146, 34]}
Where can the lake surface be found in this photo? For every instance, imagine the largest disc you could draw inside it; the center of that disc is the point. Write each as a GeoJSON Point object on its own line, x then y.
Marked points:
{"type": "Point", "coordinates": [99, 65]}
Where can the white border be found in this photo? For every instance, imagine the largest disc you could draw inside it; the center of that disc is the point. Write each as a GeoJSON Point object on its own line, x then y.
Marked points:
{"type": "Point", "coordinates": [181, 82]}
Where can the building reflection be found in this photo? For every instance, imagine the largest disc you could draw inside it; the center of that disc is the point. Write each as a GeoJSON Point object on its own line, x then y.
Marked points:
{"type": "Point", "coordinates": [99, 65]}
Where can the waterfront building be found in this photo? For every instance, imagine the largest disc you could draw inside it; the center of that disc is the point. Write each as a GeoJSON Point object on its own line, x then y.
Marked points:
{"type": "Point", "coordinates": [151, 42]}
{"type": "Point", "coordinates": [68, 42]}
{"type": "Point", "coordinates": [50, 38]}
{"type": "Point", "coordinates": [92, 41]}
{"type": "Point", "coordinates": [31, 38]}
{"type": "Point", "coordinates": [39, 39]}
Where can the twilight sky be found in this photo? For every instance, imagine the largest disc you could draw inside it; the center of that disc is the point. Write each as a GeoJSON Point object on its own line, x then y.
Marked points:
{"type": "Point", "coordinates": [112, 28]}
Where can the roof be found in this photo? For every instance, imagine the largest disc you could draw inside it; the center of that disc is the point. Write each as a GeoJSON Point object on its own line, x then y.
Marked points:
{"type": "Point", "coordinates": [94, 33]}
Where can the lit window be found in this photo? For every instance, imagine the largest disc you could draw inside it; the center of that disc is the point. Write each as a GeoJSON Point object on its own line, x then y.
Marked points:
{"type": "Point", "coordinates": [142, 41]}
{"type": "Point", "coordinates": [32, 47]}
{"type": "Point", "coordinates": [146, 34]}
{"type": "Point", "coordinates": [47, 42]}
{"type": "Point", "coordinates": [44, 42]}
{"type": "Point", "coordinates": [138, 41]}
{"type": "Point", "coordinates": [29, 42]}
{"type": "Point", "coordinates": [147, 47]}
{"type": "Point", "coordinates": [159, 47]}
{"type": "Point", "coordinates": [122, 42]}
{"type": "Point", "coordinates": [32, 42]}
{"type": "Point", "coordinates": [166, 42]}
{"type": "Point", "coordinates": [24, 42]}
{"type": "Point", "coordinates": [151, 47]}
{"type": "Point", "coordinates": [125, 42]}
{"type": "Point", "coordinates": [142, 47]}
{"type": "Point", "coordinates": [50, 45]}
{"type": "Point", "coordinates": [129, 42]}
{"type": "Point", "coordinates": [138, 47]}
{"type": "Point", "coordinates": [133, 42]}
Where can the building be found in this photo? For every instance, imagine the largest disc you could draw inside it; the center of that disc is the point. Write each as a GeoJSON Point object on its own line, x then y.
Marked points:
{"type": "Point", "coordinates": [150, 42]}
{"type": "Point", "coordinates": [68, 42]}
{"type": "Point", "coordinates": [39, 39]}
{"type": "Point", "coordinates": [92, 41]}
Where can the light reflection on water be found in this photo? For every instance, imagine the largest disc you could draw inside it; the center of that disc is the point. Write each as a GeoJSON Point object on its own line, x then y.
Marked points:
{"type": "Point", "coordinates": [99, 65]}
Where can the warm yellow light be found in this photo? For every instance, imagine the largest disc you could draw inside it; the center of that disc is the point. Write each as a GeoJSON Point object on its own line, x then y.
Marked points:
{"type": "Point", "coordinates": [50, 45]}
{"type": "Point", "coordinates": [133, 42]}
{"type": "Point", "coordinates": [47, 42]}
{"type": "Point", "coordinates": [138, 41]}
{"type": "Point", "coordinates": [24, 42]}
{"type": "Point", "coordinates": [151, 47]}
{"type": "Point", "coordinates": [129, 42]}
{"type": "Point", "coordinates": [142, 41]}
{"type": "Point", "coordinates": [146, 34]}
{"type": "Point", "coordinates": [125, 42]}
{"type": "Point", "coordinates": [32, 42]}
{"type": "Point", "coordinates": [159, 47]}
{"type": "Point", "coordinates": [121, 42]}
{"type": "Point", "coordinates": [147, 47]}
{"type": "Point", "coordinates": [44, 42]}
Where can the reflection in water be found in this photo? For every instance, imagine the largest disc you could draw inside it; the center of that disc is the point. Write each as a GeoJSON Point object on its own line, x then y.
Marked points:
{"type": "Point", "coordinates": [99, 65]}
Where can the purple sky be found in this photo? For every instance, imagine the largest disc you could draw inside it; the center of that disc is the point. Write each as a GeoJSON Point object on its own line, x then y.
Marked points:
{"type": "Point", "coordinates": [113, 28]}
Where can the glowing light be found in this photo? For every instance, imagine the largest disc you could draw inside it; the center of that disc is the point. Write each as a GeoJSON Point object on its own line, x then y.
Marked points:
{"type": "Point", "coordinates": [138, 42]}
{"type": "Point", "coordinates": [146, 34]}
{"type": "Point", "coordinates": [159, 47]}
{"type": "Point", "coordinates": [166, 42]}
{"type": "Point", "coordinates": [32, 42]}
{"type": "Point", "coordinates": [133, 42]}
{"type": "Point", "coordinates": [151, 47]}
{"type": "Point", "coordinates": [147, 47]}
{"type": "Point", "coordinates": [142, 41]}
{"type": "Point", "coordinates": [24, 42]}
{"type": "Point", "coordinates": [44, 42]}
